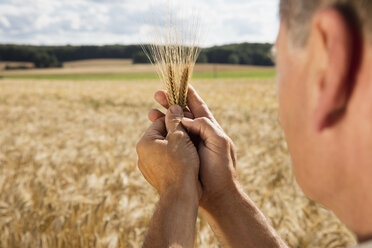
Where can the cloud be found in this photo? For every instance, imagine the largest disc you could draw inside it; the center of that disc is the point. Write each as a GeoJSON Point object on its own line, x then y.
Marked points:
{"type": "Point", "coordinates": [4, 22]}
{"type": "Point", "coordinates": [131, 21]}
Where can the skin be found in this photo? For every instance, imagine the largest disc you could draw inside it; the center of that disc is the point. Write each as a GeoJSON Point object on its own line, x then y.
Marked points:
{"type": "Point", "coordinates": [325, 112]}
{"type": "Point", "coordinates": [325, 109]}
{"type": "Point", "coordinates": [175, 177]}
{"type": "Point", "coordinates": [232, 215]}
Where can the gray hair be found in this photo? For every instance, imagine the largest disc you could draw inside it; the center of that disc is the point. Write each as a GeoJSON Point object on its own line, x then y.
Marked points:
{"type": "Point", "coordinates": [297, 15]}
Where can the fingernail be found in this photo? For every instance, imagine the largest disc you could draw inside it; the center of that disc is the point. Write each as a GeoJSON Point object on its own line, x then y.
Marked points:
{"type": "Point", "coordinates": [177, 110]}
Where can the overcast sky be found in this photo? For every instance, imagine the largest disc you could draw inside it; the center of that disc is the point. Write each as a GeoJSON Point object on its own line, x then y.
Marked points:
{"type": "Point", "coordinates": [56, 22]}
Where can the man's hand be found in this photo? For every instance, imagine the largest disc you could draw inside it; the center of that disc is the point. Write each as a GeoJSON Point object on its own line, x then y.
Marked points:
{"type": "Point", "coordinates": [169, 161]}
{"type": "Point", "coordinates": [216, 150]}
{"type": "Point", "coordinates": [167, 157]}
{"type": "Point", "coordinates": [230, 212]}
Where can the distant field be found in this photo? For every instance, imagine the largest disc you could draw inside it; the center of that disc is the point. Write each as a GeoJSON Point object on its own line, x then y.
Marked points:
{"type": "Point", "coordinates": [3, 64]}
{"type": "Point", "coordinates": [123, 69]}
{"type": "Point", "coordinates": [97, 62]}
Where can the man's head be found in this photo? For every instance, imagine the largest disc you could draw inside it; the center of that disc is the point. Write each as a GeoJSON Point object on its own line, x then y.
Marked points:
{"type": "Point", "coordinates": [297, 15]}
{"type": "Point", "coordinates": [325, 93]}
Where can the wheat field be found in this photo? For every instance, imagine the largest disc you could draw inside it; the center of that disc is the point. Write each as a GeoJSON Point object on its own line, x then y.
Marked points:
{"type": "Point", "coordinates": [68, 166]}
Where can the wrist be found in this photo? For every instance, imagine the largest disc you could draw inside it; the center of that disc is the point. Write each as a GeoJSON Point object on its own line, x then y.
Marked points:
{"type": "Point", "coordinates": [185, 193]}
{"type": "Point", "coordinates": [235, 216]}
{"type": "Point", "coordinates": [221, 201]}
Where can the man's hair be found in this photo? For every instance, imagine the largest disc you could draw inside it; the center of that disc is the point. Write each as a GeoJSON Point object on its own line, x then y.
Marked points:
{"type": "Point", "coordinates": [297, 15]}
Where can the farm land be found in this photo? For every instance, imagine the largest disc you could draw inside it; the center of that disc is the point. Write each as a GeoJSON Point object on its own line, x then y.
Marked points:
{"type": "Point", "coordinates": [68, 166]}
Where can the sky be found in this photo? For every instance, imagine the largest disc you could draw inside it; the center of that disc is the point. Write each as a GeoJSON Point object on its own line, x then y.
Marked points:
{"type": "Point", "coordinates": [99, 22]}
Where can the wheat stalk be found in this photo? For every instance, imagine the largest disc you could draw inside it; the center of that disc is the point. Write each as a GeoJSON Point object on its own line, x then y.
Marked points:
{"type": "Point", "coordinates": [174, 53]}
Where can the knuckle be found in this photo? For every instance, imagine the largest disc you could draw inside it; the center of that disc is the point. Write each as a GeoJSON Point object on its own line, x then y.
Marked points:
{"type": "Point", "coordinates": [204, 121]}
{"type": "Point", "coordinates": [231, 143]}
{"type": "Point", "coordinates": [225, 141]}
{"type": "Point", "coordinates": [141, 147]}
{"type": "Point", "coordinates": [138, 147]}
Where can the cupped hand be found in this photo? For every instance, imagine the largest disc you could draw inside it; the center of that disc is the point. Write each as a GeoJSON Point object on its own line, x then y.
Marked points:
{"type": "Point", "coordinates": [167, 157]}
{"type": "Point", "coordinates": [216, 150]}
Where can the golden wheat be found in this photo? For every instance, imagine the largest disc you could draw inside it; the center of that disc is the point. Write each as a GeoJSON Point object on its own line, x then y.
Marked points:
{"type": "Point", "coordinates": [171, 86]}
{"type": "Point", "coordinates": [174, 53]}
{"type": "Point", "coordinates": [68, 166]}
{"type": "Point", "coordinates": [184, 84]}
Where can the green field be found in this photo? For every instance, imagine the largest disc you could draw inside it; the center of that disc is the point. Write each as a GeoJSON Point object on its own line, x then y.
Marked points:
{"type": "Point", "coordinates": [248, 74]}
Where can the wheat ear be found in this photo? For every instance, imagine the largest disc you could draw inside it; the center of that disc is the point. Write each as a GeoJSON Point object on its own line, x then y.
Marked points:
{"type": "Point", "coordinates": [171, 85]}
{"type": "Point", "coordinates": [174, 53]}
{"type": "Point", "coordinates": [184, 85]}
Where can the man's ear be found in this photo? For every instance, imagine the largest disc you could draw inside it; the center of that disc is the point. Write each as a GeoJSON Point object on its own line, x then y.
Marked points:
{"type": "Point", "coordinates": [341, 42]}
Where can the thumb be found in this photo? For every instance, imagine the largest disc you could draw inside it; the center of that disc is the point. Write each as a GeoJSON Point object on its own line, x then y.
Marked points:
{"type": "Point", "coordinates": [203, 127]}
{"type": "Point", "coordinates": [173, 119]}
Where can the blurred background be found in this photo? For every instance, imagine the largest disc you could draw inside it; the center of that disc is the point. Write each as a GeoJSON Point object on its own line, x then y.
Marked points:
{"type": "Point", "coordinates": [53, 33]}
{"type": "Point", "coordinates": [75, 89]}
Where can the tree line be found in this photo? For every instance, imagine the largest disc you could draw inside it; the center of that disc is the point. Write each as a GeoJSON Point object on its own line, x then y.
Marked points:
{"type": "Point", "coordinates": [55, 56]}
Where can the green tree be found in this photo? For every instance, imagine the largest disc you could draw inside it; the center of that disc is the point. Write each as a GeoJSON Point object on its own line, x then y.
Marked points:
{"type": "Point", "coordinates": [44, 60]}
{"type": "Point", "coordinates": [202, 59]}
{"type": "Point", "coordinates": [140, 58]}
{"type": "Point", "coordinates": [233, 59]}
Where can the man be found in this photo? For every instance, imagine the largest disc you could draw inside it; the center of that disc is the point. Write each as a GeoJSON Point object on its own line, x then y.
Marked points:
{"type": "Point", "coordinates": [324, 64]}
